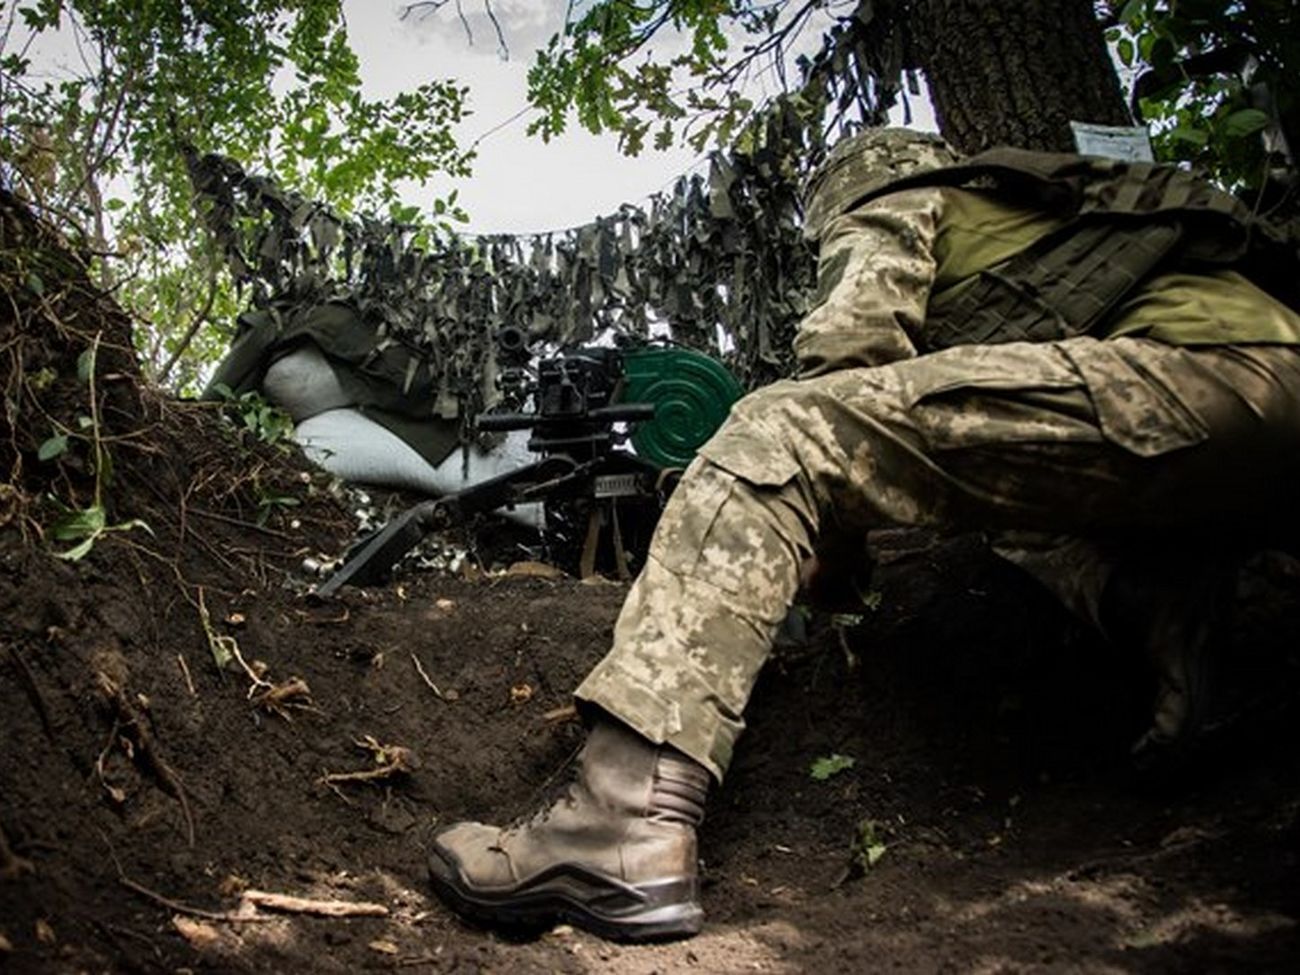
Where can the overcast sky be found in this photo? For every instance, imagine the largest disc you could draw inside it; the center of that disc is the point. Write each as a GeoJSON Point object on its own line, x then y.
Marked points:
{"type": "Point", "coordinates": [520, 184]}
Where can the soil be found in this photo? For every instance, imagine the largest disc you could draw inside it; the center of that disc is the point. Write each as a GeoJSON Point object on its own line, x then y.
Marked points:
{"type": "Point", "coordinates": [144, 787]}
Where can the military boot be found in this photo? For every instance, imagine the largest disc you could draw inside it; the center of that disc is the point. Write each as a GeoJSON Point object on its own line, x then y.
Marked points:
{"type": "Point", "coordinates": [1175, 618]}
{"type": "Point", "coordinates": [615, 854]}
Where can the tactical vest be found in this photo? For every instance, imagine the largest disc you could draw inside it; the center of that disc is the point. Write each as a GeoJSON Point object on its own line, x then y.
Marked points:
{"type": "Point", "coordinates": [1126, 222]}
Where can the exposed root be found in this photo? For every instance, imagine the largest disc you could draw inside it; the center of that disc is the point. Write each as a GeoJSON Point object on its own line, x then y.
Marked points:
{"type": "Point", "coordinates": [185, 672]}
{"type": "Point", "coordinates": [290, 695]}
{"type": "Point", "coordinates": [244, 915]}
{"type": "Point", "coordinates": [390, 761]}
{"type": "Point", "coordinates": [133, 726]}
{"type": "Point", "coordinates": [224, 648]}
{"type": "Point", "coordinates": [428, 681]}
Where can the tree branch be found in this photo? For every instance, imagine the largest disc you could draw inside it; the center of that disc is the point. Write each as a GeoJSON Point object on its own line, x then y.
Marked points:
{"type": "Point", "coordinates": [200, 317]}
{"type": "Point", "coordinates": [502, 47]}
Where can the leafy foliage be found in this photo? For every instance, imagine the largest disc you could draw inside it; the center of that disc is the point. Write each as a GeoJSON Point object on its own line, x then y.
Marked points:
{"type": "Point", "coordinates": [596, 69]}
{"type": "Point", "coordinates": [86, 525]}
{"type": "Point", "coordinates": [830, 765]}
{"type": "Point", "coordinates": [274, 81]}
{"type": "Point", "coordinates": [257, 417]}
{"type": "Point", "coordinates": [1212, 77]}
{"type": "Point", "coordinates": [868, 846]}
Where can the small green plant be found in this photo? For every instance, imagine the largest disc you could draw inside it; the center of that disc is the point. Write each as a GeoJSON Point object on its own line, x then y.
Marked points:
{"type": "Point", "coordinates": [267, 422]}
{"type": "Point", "coordinates": [829, 765]}
{"type": "Point", "coordinates": [268, 504]}
{"type": "Point", "coordinates": [868, 844]}
{"type": "Point", "coordinates": [85, 526]}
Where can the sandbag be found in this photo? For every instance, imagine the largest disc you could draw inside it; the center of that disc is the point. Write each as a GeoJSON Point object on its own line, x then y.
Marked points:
{"type": "Point", "coordinates": [303, 384]}
{"type": "Point", "coordinates": [355, 448]}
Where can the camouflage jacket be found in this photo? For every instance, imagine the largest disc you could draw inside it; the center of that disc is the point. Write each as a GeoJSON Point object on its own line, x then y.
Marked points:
{"type": "Point", "coordinates": [889, 263]}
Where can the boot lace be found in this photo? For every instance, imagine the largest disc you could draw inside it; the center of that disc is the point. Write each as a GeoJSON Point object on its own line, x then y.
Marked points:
{"type": "Point", "coordinates": [555, 790]}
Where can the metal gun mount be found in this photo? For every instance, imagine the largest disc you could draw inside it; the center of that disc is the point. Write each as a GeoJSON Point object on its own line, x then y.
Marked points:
{"type": "Point", "coordinates": [582, 475]}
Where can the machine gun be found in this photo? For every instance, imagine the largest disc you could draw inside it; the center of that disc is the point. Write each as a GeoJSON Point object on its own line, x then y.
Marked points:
{"type": "Point", "coordinates": [672, 399]}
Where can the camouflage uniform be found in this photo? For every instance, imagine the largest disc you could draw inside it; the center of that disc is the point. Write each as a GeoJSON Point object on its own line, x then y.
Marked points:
{"type": "Point", "coordinates": [1082, 436]}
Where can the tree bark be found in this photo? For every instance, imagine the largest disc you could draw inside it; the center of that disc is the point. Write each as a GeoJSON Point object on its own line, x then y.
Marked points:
{"type": "Point", "coordinates": [1014, 73]}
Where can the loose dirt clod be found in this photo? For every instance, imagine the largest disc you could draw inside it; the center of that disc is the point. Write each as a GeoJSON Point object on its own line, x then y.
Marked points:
{"type": "Point", "coordinates": [12, 866]}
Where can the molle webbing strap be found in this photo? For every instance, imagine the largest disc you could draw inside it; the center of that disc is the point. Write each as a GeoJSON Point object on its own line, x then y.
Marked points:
{"type": "Point", "coordinates": [1128, 219]}
{"type": "Point", "coordinates": [1060, 286]}
{"type": "Point", "coordinates": [1083, 185]}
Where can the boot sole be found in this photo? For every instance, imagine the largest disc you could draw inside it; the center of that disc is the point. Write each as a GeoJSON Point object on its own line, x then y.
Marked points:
{"type": "Point", "coordinates": [630, 913]}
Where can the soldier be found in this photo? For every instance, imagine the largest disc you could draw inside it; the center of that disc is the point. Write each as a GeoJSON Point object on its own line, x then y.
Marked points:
{"type": "Point", "coordinates": [1028, 341]}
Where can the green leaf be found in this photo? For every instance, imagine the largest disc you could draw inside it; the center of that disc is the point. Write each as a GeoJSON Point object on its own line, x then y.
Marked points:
{"type": "Point", "coordinates": [35, 285]}
{"type": "Point", "coordinates": [868, 846]}
{"type": "Point", "coordinates": [131, 525]}
{"type": "Point", "coordinates": [1244, 122]}
{"type": "Point", "coordinates": [1185, 133]}
{"type": "Point", "coordinates": [823, 768]}
{"type": "Point", "coordinates": [88, 522]}
{"type": "Point", "coordinates": [1125, 51]}
{"type": "Point", "coordinates": [78, 552]}
{"type": "Point", "coordinates": [56, 446]}
{"type": "Point", "coordinates": [1132, 10]}
{"type": "Point", "coordinates": [86, 365]}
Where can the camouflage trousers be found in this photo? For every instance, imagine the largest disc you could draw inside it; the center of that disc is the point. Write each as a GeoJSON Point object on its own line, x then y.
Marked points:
{"type": "Point", "coordinates": [1081, 437]}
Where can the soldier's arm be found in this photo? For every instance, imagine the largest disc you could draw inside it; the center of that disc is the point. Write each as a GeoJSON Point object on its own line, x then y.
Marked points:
{"type": "Point", "coordinates": [873, 283]}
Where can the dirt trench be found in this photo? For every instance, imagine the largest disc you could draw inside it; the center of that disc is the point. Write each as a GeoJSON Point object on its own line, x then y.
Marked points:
{"type": "Point", "coordinates": [185, 726]}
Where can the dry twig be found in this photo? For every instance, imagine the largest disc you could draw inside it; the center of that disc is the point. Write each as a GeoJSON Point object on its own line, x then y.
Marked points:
{"type": "Point", "coordinates": [241, 916]}
{"type": "Point", "coordinates": [565, 713]}
{"type": "Point", "coordinates": [292, 694]}
{"type": "Point", "coordinates": [302, 905]}
{"type": "Point", "coordinates": [185, 671]}
{"type": "Point", "coordinates": [425, 677]}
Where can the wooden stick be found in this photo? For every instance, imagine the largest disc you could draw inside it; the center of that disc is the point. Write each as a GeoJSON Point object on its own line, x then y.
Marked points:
{"type": "Point", "coordinates": [303, 905]}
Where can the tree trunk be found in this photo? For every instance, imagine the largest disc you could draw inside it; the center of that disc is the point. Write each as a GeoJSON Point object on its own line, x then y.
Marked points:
{"type": "Point", "coordinates": [1014, 73]}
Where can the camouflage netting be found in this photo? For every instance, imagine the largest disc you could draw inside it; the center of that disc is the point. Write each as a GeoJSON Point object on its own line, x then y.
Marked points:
{"type": "Point", "coordinates": [716, 264]}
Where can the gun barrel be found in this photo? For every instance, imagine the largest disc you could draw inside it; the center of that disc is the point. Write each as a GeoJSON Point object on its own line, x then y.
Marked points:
{"type": "Point", "coordinates": [494, 422]}
{"type": "Point", "coordinates": [623, 412]}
